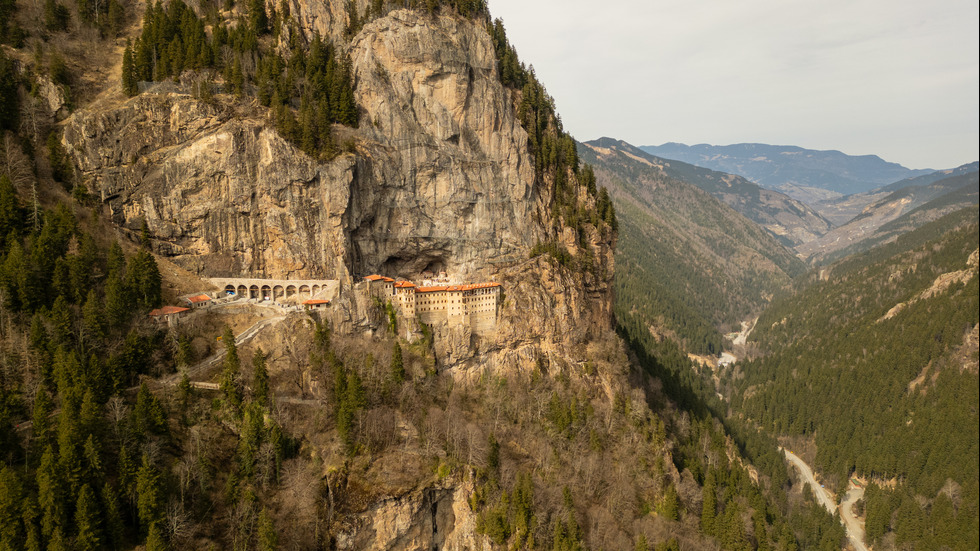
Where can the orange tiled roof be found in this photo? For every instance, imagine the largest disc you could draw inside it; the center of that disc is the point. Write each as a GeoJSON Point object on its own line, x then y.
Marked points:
{"type": "Point", "coordinates": [315, 301]}
{"type": "Point", "coordinates": [167, 310]}
{"type": "Point", "coordinates": [374, 277]}
{"type": "Point", "coordinates": [388, 279]}
{"type": "Point", "coordinates": [404, 284]}
{"type": "Point", "coordinates": [431, 289]}
{"type": "Point", "coordinates": [469, 287]}
{"type": "Point", "coordinates": [198, 298]}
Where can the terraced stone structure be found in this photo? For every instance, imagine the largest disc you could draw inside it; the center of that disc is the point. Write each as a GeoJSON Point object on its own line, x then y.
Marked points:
{"type": "Point", "coordinates": [278, 290]}
{"type": "Point", "coordinates": [470, 304]}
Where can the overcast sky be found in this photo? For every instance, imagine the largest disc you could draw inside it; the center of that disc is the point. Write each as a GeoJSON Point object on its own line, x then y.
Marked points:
{"type": "Point", "coordinates": [896, 78]}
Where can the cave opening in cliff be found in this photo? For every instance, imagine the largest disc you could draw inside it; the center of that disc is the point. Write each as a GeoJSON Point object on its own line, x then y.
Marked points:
{"type": "Point", "coordinates": [411, 267]}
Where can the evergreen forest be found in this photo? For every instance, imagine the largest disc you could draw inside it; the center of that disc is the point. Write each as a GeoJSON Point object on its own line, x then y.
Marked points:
{"type": "Point", "coordinates": [877, 366]}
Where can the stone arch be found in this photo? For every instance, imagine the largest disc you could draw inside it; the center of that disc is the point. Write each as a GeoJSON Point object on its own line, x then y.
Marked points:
{"type": "Point", "coordinates": [278, 292]}
{"type": "Point", "coordinates": [304, 290]}
{"type": "Point", "coordinates": [242, 291]}
{"type": "Point", "coordinates": [253, 291]}
{"type": "Point", "coordinates": [316, 290]}
{"type": "Point", "coordinates": [266, 292]}
{"type": "Point", "coordinates": [290, 291]}
{"type": "Point", "coordinates": [229, 289]}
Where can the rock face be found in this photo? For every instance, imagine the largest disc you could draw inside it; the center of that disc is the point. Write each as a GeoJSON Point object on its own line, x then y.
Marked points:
{"type": "Point", "coordinates": [432, 518]}
{"type": "Point", "coordinates": [439, 178]}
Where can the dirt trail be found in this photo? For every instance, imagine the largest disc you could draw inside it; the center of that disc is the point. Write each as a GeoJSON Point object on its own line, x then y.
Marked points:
{"type": "Point", "coordinates": [852, 525]}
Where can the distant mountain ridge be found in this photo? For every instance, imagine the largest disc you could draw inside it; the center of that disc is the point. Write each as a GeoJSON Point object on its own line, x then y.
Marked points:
{"type": "Point", "coordinates": [903, 209]}
{"type": "Point", "coordinates": [793, 170]}
{"type": "Point", "coordinates": [790, 221]}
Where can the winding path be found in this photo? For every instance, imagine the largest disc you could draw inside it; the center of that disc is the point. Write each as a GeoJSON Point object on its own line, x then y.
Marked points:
{"type": "Point", "coordinates": [852, 525]}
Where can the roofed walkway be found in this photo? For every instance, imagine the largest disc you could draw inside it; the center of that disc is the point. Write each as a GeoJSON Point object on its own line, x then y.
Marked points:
{"type": "Point", "coordinates": [278, 289]}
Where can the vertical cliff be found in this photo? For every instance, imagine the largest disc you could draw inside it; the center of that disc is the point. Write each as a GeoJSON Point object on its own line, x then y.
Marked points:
{"type": "Point", "coordinates": [437, 176]}
{"type": "Point", "coordinates": [440, 173]}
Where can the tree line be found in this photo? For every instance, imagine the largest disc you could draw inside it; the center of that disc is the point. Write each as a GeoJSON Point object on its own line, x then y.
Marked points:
{"type": "Point", "coordinates": [307, 91]}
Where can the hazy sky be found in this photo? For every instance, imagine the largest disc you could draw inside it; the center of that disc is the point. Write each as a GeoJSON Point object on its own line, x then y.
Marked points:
{"type": "Point", "coordinates": [896, 78]}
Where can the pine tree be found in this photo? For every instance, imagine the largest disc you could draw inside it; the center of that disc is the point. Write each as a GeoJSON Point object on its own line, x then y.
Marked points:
{"type": "Point", "coordinates": [260, 380]}
{"type": "Point", "coordinates": [397, 364]}
{"type": "Point", "coordinates": [57, 540]}
{"type": "Point", "coordinates": [93, 322]}
{"type": "Point", "coordinates": [50, 493]}
{"type": "Point", "coordinates": [11, 499]}
{"type": "Point", "coordinates": [129, 77]}
{"type": "Point", "coordinates": [670, 503]}
{"type": "Point", "coordinates": [87, 520]}
{"type": "Point", "coordinates": [268, 538]}
{"type": "Point", "coordinates": [114, 528]}
{"type": "Point", "coordinates": [709, 504]}
{"type": "Point", "coordinates": [9, 98]}
{"type": "Point", "coordinates": [257, 16]}
{"type": "Point", "coordinates": [232, 365]}
{"type": "Point", "coordinates": [143, 278]}
{"type": "Point", "coordinates": [42, 408]}
{"type": "Point", "coordinates": [149, 495]}
{"type": "Point", "coordinates": [11, 219]}
{"type": "Point", "coordinates": [148, 415]}
{"type": "Point", "coordinates": [154, 539]}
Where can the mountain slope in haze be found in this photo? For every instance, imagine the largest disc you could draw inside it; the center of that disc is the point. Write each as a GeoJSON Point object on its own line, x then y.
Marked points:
{"type": "Point", "coordinates": [789, 220]}
{"type": "Point", "coordinates": [685, 260]}
{"type": "Point", "coordinates": [798, 172]}
{"type": "Point", "coordinates": [897, 212]}
{"type": "Point", "coordinates": [875, 361]}
{"type": "Point", "coordinates": [933, 177]}
{"type": "Point", "coordinates": [841, 210]}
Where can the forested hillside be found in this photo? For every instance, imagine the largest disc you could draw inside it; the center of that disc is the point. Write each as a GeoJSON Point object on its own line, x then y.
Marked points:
{"type": "Point", "coordinates": [685, 263]}
{"type": "Point", "coordinates": [122, 432]}
{"type": "Point", "coordinates": [875, 361]}
{"type": "Point", "coordinates": [894, 214]}
{"type": "Point", "coordinates": [790, 221]}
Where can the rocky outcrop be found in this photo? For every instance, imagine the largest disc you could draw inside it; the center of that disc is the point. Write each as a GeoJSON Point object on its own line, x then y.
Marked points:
{"type": "Point", "coordinates": [437, 517]}
{"type": "Point", "coordinates": [440, 178]}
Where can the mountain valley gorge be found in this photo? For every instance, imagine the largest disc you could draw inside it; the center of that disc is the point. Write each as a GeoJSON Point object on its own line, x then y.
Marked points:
{"type": "Point", "coordinates": [660, 331]}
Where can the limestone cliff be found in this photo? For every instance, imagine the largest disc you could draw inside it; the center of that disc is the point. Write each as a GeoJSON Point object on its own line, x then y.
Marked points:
{"type": "Point", "coordinates": [438, 176]}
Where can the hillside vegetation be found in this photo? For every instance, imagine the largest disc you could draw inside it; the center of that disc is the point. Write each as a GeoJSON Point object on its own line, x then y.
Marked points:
{"type": "Point", "coordinates": [685, 262]}
{"type": "Point", "coordinates": [876, 363]}
{"type": "Point", "coordinates": [790, 221]}
{"type": "Point", "coordinates": [897, 212]}
{"type": "Point", "coordinates": [119, 432]}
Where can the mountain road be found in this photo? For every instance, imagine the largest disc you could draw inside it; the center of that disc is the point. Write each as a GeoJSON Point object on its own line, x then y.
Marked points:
{"type": "Point", "coordinates": [852, 525]}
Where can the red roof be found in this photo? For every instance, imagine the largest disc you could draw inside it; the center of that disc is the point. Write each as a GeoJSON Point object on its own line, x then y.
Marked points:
{"type": "Point", "coordinates": [457, 287]}
{"type": "Point", "coordinates": [404, 284]}
{"type": "Point", "coordinates": [167, 310]}
{"type": "Point", "coordinates": [315, 301]}
{"type": "Point", "coordinates": [431, 289]}
{"type": "Point", "coordinates": [374, 277]}
{"type": "Point", "coordinates": [198, 298]}
{"type": "Point", "coordinates": [481, 286]}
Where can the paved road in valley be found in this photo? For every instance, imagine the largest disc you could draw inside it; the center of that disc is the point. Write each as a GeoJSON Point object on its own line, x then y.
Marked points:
{"type": "Point", "coordinates": [852, 525]}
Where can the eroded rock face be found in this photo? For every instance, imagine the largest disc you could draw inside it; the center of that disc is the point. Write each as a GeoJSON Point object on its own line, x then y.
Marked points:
{"type": "Point", "coordinates": [437, 517]}
{"type": "Point", "coordinates": [440, 179]}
